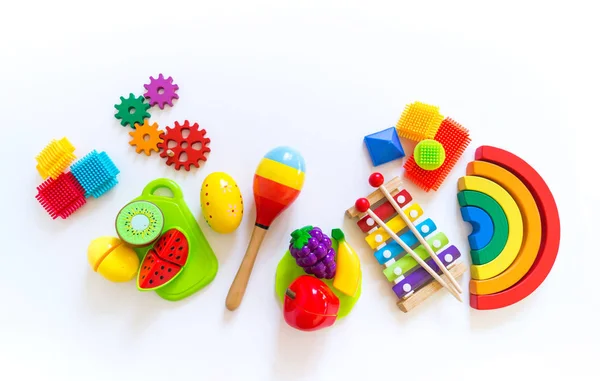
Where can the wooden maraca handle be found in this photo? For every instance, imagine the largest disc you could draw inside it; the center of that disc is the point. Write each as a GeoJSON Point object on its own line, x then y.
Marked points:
{"type": "Point", "coordinates": [238, 287]}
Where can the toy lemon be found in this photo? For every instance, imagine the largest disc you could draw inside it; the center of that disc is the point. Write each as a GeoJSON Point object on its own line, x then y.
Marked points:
{"type": "Point", "coordinates": [112, 259]}
{"type": "Point", "coordinates": [222, 203]}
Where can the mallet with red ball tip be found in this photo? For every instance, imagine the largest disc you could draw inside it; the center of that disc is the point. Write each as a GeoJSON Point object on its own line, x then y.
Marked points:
{"type": "Point", "coordinates": [363, 205]}
{"type": "Point", "coordinates": [376, 180]}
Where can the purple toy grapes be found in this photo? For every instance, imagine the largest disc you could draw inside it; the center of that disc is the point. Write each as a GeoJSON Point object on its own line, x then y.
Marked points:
{"type": "Point", "coordinates": [312, 250]}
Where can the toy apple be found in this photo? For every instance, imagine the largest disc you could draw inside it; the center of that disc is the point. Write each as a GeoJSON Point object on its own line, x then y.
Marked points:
{"type": "Point", "coordinates": [310, 304]}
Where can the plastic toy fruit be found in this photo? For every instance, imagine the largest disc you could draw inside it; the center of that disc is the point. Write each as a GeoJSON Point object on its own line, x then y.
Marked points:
{"type": "Point", "coordinates": [112, 259]}
{"type": "Point", "coordinates": [313, 252]}
{"type": "Point", "coordinates": [222, 203]}
{"type": "Point", "coordinates": [289, 273]}
{"type": "Point", "coordinates": [347, 277]}
{"type": "Point", "coordinates": [202, 265]}
{"type": "Point", "coordinates": [164, 262]}
{"type": "Point", "coordinates": [309, 304]}
{"type": "Point", "coordinates": [139, 223]}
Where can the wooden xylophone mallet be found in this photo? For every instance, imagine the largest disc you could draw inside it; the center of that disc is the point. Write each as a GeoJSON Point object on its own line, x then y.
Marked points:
{"type": "Point", "coordinates": [376, 180]}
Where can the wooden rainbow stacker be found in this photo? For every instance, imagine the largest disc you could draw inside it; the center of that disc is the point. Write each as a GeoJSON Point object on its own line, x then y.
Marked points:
{"type": "Point", "coordinates": [412, 284]}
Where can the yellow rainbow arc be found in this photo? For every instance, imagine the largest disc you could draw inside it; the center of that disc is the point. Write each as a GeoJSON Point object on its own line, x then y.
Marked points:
{"type": "Point", "coordinates": [515, 225]}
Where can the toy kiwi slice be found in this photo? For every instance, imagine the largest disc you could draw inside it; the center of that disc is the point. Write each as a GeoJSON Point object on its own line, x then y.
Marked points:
{"type": "Point", "coordinates": [139, 223]}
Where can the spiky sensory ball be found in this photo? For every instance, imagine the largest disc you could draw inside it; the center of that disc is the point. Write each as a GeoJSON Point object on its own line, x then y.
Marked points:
{"type": "Point", "coordinates": [62, 196]}
{"type": "Point", "coordinates": [429, 154]}
{"type": "Point", "coordinates": [146, 137]}
{"type": "Point", "coordinates": [55, 158]}
{"type": "Point", "coordinates": [184, 145]}
{"type": "Point", "coordinates": [455, 139]}
{"type": "Point", "coordinates": [132, 110]}
{"type": "Point", "coordinates": [313, 252]}
{"type": "Point", "coordinates": [96, 173]}
{"type": "Point", "coordinates": [419, 121]}
{"type": "Point", "coordinates": [161, 91]}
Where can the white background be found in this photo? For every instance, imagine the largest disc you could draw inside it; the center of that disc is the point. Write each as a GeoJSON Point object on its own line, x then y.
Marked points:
{"type": "Point", "coordinates": [318, 75]}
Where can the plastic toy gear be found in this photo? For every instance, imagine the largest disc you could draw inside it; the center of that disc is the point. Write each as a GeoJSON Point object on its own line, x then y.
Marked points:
{"type": "Point", "coordinates": [132, 110]}
{"type": "Point", "coordinates": [146, 137]}
{"type": "Point", "coordinates": [161, 91]}
{"type": "Point", "coordinates": [184, 151]}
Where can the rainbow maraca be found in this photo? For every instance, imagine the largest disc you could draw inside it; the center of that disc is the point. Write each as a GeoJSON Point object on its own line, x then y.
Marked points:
{"type": "Point", "coordinates": [278, 181]}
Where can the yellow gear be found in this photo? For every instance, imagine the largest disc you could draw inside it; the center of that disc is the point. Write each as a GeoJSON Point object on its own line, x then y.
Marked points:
{"type": "Point", "coordinates": [146, 137]}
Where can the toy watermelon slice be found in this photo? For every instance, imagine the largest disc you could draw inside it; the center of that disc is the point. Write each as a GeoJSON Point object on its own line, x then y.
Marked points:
{"type": "Point", "coordinates": [173, 247]}
{"type": "Point", "coordinates": [164, 262]}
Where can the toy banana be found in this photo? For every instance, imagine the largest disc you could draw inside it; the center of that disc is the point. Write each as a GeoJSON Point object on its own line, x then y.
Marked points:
{"type": "Point", "coordinates": [348, 274]}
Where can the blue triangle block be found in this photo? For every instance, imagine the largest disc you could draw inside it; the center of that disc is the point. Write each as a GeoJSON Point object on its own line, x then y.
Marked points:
{"type": "Point", "coordinates": [384, 146]}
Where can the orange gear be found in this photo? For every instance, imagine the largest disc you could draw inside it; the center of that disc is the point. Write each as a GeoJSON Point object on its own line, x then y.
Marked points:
{"type": "Point", "coordinates": [146, 137]}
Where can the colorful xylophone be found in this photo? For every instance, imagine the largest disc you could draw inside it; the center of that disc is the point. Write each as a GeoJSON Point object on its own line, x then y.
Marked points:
{"type": "Point", "coordinates": [412, 284]}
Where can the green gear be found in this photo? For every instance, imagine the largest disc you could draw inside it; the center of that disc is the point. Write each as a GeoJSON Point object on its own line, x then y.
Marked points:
{"type": "Point", "coordinates": [132, 110]}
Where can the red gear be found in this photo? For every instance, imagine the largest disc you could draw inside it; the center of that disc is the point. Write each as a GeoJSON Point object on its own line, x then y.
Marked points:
{"type": "Point", "coordinates": [184, 145]}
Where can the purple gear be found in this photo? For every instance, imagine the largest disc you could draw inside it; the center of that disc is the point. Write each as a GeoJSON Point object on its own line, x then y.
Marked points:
{"type": "Point", "coordinates": [155, 97]}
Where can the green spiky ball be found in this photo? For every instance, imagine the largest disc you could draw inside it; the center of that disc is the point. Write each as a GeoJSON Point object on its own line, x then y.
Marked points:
{"type": "Point", "coordinates": [429, 154]}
